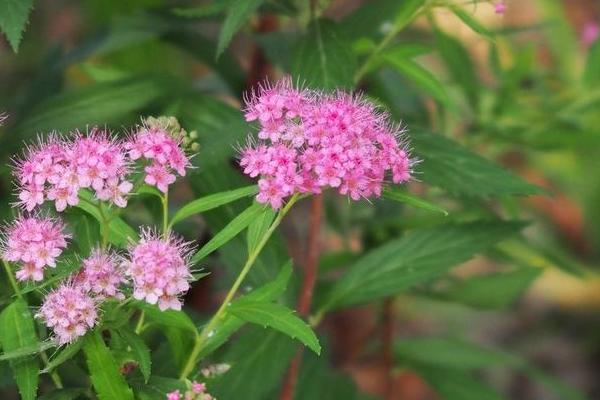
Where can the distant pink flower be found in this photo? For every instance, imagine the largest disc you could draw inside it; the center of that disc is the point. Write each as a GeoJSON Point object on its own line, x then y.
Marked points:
{"type": "Point", "coordinates": [101, 275]}
{"type": "Point", "coordinates": [198, 387]}
{"type": "Point", "coordinates": [163, 150]}
{"type": "Point", "coordinates": [34, 241]}
{"type": "Point", "coordinates": [159, 269]}
{"type": "Point", "coordinates": [500, 7]}
{"type": "Point", "coordinates": [590, 33]}
{"type": "Point", "coordinates": [175, 395]}
{"type": "Point", "coordinates": [69, 311]}
{"type": "Point", "coordinates": [309, 141]}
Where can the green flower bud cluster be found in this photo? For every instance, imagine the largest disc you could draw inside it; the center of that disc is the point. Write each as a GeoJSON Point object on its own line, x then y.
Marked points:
{"type": "Point", "coordinates": [172, 126]}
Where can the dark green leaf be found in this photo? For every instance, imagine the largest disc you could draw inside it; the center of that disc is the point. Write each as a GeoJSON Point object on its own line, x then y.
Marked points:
{"type": "Point", "coordinates": [64, 394]}
{"type": "Point", "coordinates": [258, 228]}
{"type": "Point", "coordinates": [237, 14]}
{"type": "Point", "coordinates": [457, 385]}
{"type": "Point", "coordinates": [234, 227]}
{"type": "Point", "coordinates": [168, 318]}
{"type": "Point", "coordinates": [108, 382]}
{"type": "Point", "coordinates": [26, 350]}
{"type": "Point", "coordinates": [141, 352]}
{"type": "Point", "coordinates": [17, 332]}
{"type": "Point", "coordinates": [421, 256]}
{"type": "Point", "coordinates": [323, 58]}
{"type": "Point", "coordinates": [212, 201]}
{"type": "Point", "coordinates": [63, 355]}
{"type": "Point", "coordinates": [13, 18]}
{"type": "Point", "coordinates": [450, 166]}
{"type": "Point", "coordinates": [277, 317]}
{"type": "Point", "coordinates": [407, 198]}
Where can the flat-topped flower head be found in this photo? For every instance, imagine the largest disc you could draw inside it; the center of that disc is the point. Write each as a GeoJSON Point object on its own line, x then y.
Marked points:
{"type": "Point", "coordinates": [34, 241]}
{"type": "Point", "coordinates": [159, 269]}
{"type": "Point", "coordinates": [70, 311]}
{"type": "Point", "coordinates": [101, 275]}
{"type": "Point", "coordinates": [310, 141]}
{"type": "Point", "coordinates": [161, 142]}
{"type": "Point", "coordinates": [55, 170]}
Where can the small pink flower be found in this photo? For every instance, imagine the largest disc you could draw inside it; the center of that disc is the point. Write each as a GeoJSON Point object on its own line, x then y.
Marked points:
{"type": "Point", "coordinates": [198, 387]}
{"type": "Point", "coordinates": [69, 311]}
{"type": "Point", "coordinates": [157, 175]}
{"type": "Point", "coordinates": [115, 192]}
{"type": "Point", "coordinates": [175, 395]}
{"type": "Point", "coordinates": [159, 269]}
{"type": "Point", "coordinates": [590, 33]}
{"type": "Point", "coordinates": [500, 7]}
{"type": "Point", "coordinates": [101, 275]}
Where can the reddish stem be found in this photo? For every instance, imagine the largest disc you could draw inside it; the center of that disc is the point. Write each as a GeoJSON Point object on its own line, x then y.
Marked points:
{"type": "Point", "coordinates": [387, 334]}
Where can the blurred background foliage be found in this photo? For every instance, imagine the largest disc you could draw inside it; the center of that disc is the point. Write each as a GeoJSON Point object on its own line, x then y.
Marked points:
{"type": "Point", "coordinates": [498, 107]}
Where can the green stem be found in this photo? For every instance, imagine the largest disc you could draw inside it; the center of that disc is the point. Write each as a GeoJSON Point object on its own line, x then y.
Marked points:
{"type": "Point", "coordinates": [105, 227]}
{"type": "Point", "coordinates": [12, 280]}
{"type": "Point", "coordinates": [206, 331]}
{"type": "Point", "coordinates": [165, 204]}
{"type": "Point", "coordinates": [54, 375]}
{"type": "Point", "coordinates": [140, 324]}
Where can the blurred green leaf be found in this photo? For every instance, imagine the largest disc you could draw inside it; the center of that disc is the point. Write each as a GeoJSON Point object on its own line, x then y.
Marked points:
{"type": "Point", "coordinates": [421, 256]}
{"type": "Point", "coordinates": [108, 382]}
{"type": "Point", "coordinates": [458, 170]}
{"type": "Point", "coordinates": [234, 227]}
{"type": "Point", "coordinates": [17, 332]}
{"type": "Point", "coordinates": [141, 352]}
{"type": "Point", "coordinates": [157, 387]}
{"type": "Point", "coordinates": [403, 196]}
{"type": "Point", "coordinates": [592, 67]}
{"type": "Point", "coordinates": [471, 22]}
{"type": "Point", "coordinates": [212, 201]}
{"type": "Point", "coordinates": [492, 291]}
{"type": "Point", "coordinates": [238, 12]}
{"type": "Point", "coordinates": [277, 317]}
{"type": "Point", "coordinates": [13, 18]}
{"type": "Point", "coordinates": [457, 385]}
{"type": "Point", "coordinates": [323, 59]}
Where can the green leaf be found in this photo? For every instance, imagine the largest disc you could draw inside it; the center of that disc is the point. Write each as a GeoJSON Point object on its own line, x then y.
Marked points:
{"type": "Point", "coordinates": [13, 18]}
{"type": "Point", "coordinates": [108, 382]}
{"type": "Point", "coordinates": [447, 353]}
{"type": "Point", "coordinates": [212, 201]}
{"type": "Point", "coordinates": [17, 332]}
{"type": "Point", "coordinates": [234, 227]}
{"type": "Point", "coordinates": [323, 59]}
{"type": "Point", "coordinates": [141, 352]}
{"type": "Point", "coordinates": [65, 394]}
{"type": "Point", "coordinates": [453, 167]}
{"type": "Point", "coordinates": [157, 387]}
{"type": "Point", "coordinates": [167, 318]}
{"type": "Point", "coordinates": [421, 77]}
{"type": "Point", "coordinates": [258, 228]}
{"type": "Point", "coordinates": [471, 22]}
{"type": "Point", "coordinates": [230, 323]}
{"type": "Point", "coordinates": [27, 350]}
{"type": "Point", "coordinates": [407, 198]}
{"type": "Point", "coordinates": [277, 317]}
{"type": "Point", "coordinates": [460, 66]}
{"type": "Point", "coordinates": [64, 355]}
{"type": "Point", "coordinates": [237, 14]}
{"type": "Point", "coordinates": [457, 385]}
{"type": "Point", "coordinates": [259, 360]}
{"type": "Point", "coordinates": [592, 67]}
{"type": "Point", "coordinates": [494, 290]}
{"type": "Point", "coordinates": [420, 256]}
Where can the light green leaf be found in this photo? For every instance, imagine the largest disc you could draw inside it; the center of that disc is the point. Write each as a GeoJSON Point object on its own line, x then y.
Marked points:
{"type": "Point", "coordinates": [494, 290]}
{"type": "Point", "coordinates": [234, 227]}
{"type": "Point", "coordinates": [453, 167]}
{"type": "Point", "coordinates": [26, 351]}
{"type": "Point", "coordinates": [407, 198]}
{"type": "Point", "coordinates": [64, 355]}
{"type": "Point", "coordinates": [323, 58]}
{"type": "Point", "coordinates": [108, 382]}
{"type": "Point", "coordinates": [277, 317]}
{"type": "Point", "coordinates": [230, 323]}
{"type": "Point", "coordinates": [258, 228]}
{"type": "Point", "coordinates": [592, 68]}
{"type": "Point", "coordinates": [237, 14]}
{"type": "Point", "coordinates": [141, 352]}
{"type": "Point", "coordinates": [420, 256]}
{"type": "Point", "coordinates": [471, 22]}
{"type": "Point", "coordinates": [17, 332]}
{"type": "Point", "coordinates": [212, 201]}
{"type": "Point", "coordinates": [13, 18]}
{"type": "Point", "coordinates": [421, 77]}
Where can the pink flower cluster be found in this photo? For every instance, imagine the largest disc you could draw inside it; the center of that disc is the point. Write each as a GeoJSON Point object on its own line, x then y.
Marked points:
{"type": "Point", "coordinates": [500, 7]}
{"type": "Point", "coordinates": [101, 275]}
{"type": "Point", "coordinates": [159, 269]}
{"type": "Point", "coordinates": [34, 241]}
{"type": "Point", "coordinates": [56, 169]}
{"type": "Point", "coordinates": [163, 151]}
{"type": "Point", "coordinates": [196, 392]}
{"type": "Point", "coordinates": [69, 311]}
{"type": "Point", "coordinates": [312, 140]}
